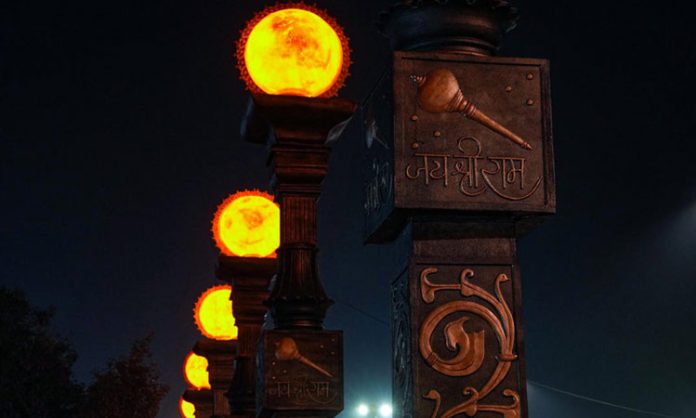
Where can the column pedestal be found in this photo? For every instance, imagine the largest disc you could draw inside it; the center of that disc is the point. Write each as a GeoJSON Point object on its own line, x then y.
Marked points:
{"type": "Point", "coordinates": [300, 365]}
{"type": "Point", "coordinates": [202, 400]}
{"type": "Point", "coordinates": [220, 356]}
{"type": "Point", "coordinates": [249, 278]}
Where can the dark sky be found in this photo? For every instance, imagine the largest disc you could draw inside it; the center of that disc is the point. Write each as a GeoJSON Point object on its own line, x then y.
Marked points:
{"type": "Point", "coordinates": [119, 136]}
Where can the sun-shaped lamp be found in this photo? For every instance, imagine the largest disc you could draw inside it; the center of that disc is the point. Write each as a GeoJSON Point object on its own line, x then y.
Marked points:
{"type": "Point", "coordinates": [247, 224]}
{"type": "Point", "coordinates": [196, 371]}
{"type": "Point", "coordinates": [293, 49]}
{"type": "Point", "coordinates": [187, 409]}
{"type": "Point", "coordinates": [213, 314]}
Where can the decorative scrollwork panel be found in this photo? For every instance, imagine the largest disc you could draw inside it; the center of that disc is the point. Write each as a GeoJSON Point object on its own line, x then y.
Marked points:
{"type": "Point", "coordinates": [464, 345]}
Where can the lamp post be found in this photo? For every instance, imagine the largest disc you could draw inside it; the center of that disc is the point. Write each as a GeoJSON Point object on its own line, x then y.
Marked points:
{"type": "Point", "coordinates": [196, 403]}
{"type": "Point", "coordinates": [459, 164]}
{"type": "Point", "coordinates": [213, 315]}
{"type": "Point", "coordinates": [197, 400]}
{"type": "Point", "coordinates": [246, 228]}
{"type": "Point", "coordinates": [303, 61]}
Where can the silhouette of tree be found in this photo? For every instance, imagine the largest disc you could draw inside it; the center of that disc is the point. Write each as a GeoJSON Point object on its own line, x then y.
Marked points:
{"type": "Point", "coordinates": [35, 365]}
{"type": "Point", "coordinates": [129, 387]}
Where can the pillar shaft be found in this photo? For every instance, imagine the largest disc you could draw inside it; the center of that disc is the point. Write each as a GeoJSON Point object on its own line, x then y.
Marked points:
{"type": "Point", "coordinates": [220, 356]}
{"type": "Point", "coordinates": [458, 165]}
{"type": "Point", "coordinates": [458, 342]}
{"type": "Point", "coordinates": [250, 278]}
{"type": "Point", "coordinates": [300, 365]}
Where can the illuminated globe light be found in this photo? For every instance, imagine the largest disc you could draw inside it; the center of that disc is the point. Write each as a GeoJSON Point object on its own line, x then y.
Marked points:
{"type": "Point", "coordinates": [247, 224]}
{"type": "Point", "coordinates": [196, 371]}
{"type": "Point", "coordinates": [385, 410]}
{"type": "Point", "coordinates": [363, 410]}
{"type": "Point", "coordinates": [187, 409]}
{"type": "Point", "coordinates": [293, 49]}
{"type": "Point", "coordinates": [213, 314]}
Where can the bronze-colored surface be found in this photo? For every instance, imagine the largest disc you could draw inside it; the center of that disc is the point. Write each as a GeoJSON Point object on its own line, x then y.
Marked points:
{"type": "Point", "coordinates": [202, 400]}
{"type": "Point", "coordinates": [458, 340]}
{"type": "Point", "coordinates": [291, 388]}
{"type": "Point", "coordinates": [286, 350]}
{"type": "Point", "coordinates": [480, 165]}
{"type": "Point", "coordinates": [250, 278]}
{"type": "Point", "coordinates": [456, 202]}
{"type": "Point", "coordinates": [221, 358]}
{"type": "Point", "coordinates": [462, 26]}
{"type": "Point", "coordinates": [301, 129]}
{"type": "Point", "coordinates": [469, 356]}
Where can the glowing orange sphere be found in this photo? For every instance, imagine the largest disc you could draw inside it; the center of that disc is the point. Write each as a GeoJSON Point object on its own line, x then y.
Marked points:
{"type": "Point", "coordinates": [196, 371]}
{"type": "Point", "coordinates": [187, 409]}
{"type": "Point", "coordinates": [213, 314]}
{"type": "Point", "coordinates": [247, 224]}
{"type": "Point", "coordinates": [297, 50]}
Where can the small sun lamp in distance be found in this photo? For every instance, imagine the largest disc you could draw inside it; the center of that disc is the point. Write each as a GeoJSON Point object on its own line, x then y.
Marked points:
{"type": "Point", "coordinates": [247, 224]}
{"type": "Point", "coordinates": [293, 49]}
{"type": "Point", "coordinates": [213, 314]}
{"type": "Point", "coordinates": [187, 409]}
{"type": "Point", "coordinates": [196, 371]}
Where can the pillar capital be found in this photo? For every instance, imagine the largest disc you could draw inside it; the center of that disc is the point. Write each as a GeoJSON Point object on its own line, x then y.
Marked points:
{"type": "Point", "coordinates": [465, 26]}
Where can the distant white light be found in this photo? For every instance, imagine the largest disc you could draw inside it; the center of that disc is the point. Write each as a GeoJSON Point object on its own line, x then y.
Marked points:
{"type": "Point", "coordinates": [363, 410]}
{"type": "Point", "coordinates": [385, 410]}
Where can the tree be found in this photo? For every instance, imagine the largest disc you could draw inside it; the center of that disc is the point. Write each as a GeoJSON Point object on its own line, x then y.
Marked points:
{"type": "Point", "coordinates": [129, 387]}
{"type": "Point", "coordinates": [35, 365]}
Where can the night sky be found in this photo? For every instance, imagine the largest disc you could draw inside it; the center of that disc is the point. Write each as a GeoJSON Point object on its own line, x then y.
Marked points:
{"type": "Point", "coordinates": [119, 131]}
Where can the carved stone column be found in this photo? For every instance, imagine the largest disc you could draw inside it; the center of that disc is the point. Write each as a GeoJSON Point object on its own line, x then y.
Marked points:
{"type": "Point", "coordinates": [202, 400]}
{"type": "Point", "coordinates": [459, 164]}
{"type": "Point", "coordinates": [250, 279]}
{"type": "Point", "coordinates": [300, 364]}
{"type": "Point", "coordinates": [220, 356]}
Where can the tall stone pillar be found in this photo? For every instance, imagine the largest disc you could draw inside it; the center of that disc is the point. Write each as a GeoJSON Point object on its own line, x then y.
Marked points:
{"type": "Point", "coordinates": [220, 356]}
{"type": "Point", "coordinates": [202, 400]}
{"type": "Point", "coordinates": [300, 364]}
{"type": "Point", "coordinates": [459, 165]}
{"type": "Point", "coordinates": [249, 278]}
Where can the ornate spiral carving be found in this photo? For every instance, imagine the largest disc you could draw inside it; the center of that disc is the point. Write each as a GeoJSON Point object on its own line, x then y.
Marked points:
{"type": "Point", "coordinates": [469, 346]}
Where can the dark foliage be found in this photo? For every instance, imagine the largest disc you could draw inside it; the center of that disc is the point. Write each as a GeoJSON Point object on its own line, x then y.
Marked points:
{"type": "Point", "coordinates": [128, 388]}
{"type": "Point", "coordinates": [36, 372]}
{"type": "Point", "coordinates": [35, 365]}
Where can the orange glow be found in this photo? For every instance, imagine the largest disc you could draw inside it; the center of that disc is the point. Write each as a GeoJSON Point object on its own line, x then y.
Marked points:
{"type": "Point", "coordinates": [213, 314]}
{"type": "Point", "coordinates": [247, 224]}
{"type": "Point", "coordinates": [187, 409]}
{"type": "Point", "coordinates": [196, 371]}
{"type": "Point", "coordinates": [294, 49]}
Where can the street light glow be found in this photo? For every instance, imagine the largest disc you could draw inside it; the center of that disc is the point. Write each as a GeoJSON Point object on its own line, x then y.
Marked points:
{"type": "Point", "coordinates": [187, 409]}
{"type": "Point", "coordinates": [297, 51]}
{"type": "Point", "coordinates": [247, 224]}
{"type": "Point", "coordinates": [385, 410]}
{"type": "Point", "coordinates": [213, 314]}
{"type": "Point", "coordinates": [363, 410]}
{"type": "Point", "coordinates": [196, 371]}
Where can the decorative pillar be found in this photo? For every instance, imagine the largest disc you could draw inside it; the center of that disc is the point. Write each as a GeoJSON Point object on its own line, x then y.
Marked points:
{"type": "Point", "coordinates": [300, 367]}
{"type": "Point", "coordinates": [250, 279]}
{"type": "Point", "coordinates": [294, 59]}
{"type": "Point", "coordinates": [202, 399]}
{"type": "Point", "coordinates": [220, 355]}
{"type": "Point", "coordinates": [459, 164]}
{"type": "Point", "coordinates": [247, 232]}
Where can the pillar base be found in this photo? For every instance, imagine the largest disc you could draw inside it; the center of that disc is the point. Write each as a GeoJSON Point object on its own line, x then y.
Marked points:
{"type": "Point", "coordinates": [220, 356]}
{"type": "Point", "coordinates": [202, 400]}
{"type": "Point", "coordinates": [300, 373]}
{"type": "Point", "coordinates": [457, 325]}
